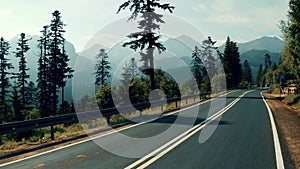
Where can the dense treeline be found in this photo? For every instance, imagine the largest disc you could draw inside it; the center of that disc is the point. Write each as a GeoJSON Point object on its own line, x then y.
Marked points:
{"type": "Point", "coordinates": [290, 63]}
{"type": "Point", "coordinates": [21, 99]}
{"type": "Point", "coordinates": [288, 70]}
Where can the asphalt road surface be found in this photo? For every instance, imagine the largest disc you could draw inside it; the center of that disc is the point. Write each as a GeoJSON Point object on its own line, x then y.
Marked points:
{"type": "Point", "coordinates": [237, 135]}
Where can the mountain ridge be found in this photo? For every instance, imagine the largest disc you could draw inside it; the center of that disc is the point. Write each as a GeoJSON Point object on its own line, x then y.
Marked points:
{"type": "Point", "coordinates": [181, 47]}
{"type": "Point", "coordinates": [272, 44]}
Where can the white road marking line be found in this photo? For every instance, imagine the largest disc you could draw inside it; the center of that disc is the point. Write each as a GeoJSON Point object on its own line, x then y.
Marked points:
{"type": "Point", "coordinates": [109, 133]}
{"type": "Point", "coordinates": [278, 153]}
{"type": "Point", "coordinates": [181, 138]}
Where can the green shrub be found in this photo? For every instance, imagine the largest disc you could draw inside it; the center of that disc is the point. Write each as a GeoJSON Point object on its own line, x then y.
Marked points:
{"type": "Point", "coordinates": [117, 119]}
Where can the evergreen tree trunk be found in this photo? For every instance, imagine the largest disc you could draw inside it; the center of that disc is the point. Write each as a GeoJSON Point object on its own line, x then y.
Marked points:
{"type": "Point", "coordinates": [152, 70]}
{"type": "Point", "coordinates": [102, 76]}
{"type": "Point", "coordinates": [62, 94]}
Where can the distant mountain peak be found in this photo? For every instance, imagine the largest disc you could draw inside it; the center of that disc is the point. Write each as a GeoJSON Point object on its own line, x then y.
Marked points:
{"type": "Point", "coordinates": [188, 41]}
{"type": "Point", "coordinates": [269, 43]}
{"type": "Point", "coordinates": [270, 37]}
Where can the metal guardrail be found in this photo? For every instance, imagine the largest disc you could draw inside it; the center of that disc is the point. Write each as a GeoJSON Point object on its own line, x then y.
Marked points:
{"type": "Point", "coordinates": [73, 118]}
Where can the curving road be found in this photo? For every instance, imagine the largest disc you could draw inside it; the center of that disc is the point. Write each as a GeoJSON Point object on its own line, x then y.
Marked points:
{"type": "Point", "coordinates": [242, 139]}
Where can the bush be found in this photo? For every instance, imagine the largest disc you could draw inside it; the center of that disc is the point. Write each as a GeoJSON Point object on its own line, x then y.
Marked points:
{"type": "Point", "coordinates": [117, 119]}
{"type": "Point", "coordinates": [9, 145]}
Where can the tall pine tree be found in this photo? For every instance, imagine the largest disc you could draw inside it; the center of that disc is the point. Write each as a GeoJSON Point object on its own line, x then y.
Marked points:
{"type": "Point", "coordinates": [22, 76]}
{"type": "Point", "coordinates": [55, 41]}
{"type": "Point", "coordinates": [130, 72]}
{"type": "Point", "coordinates": [102, 68]}
{"type": "Point", "coordinates": [66, 71]}
{"type": "Point", "coordinates": [5, 66]}
{"type": "Point", "coordinates": [149, 37]}
{"type": "Point", "coordinates": [43, 80]}
{"type": "Point", "coordinates": [209, 60]}
{"type": "Point", "coordinates": [197, 66]}
{"type": "Point", "coordinates": [232, 66]}
{"type": "Point", "coordinates": [58, 60]}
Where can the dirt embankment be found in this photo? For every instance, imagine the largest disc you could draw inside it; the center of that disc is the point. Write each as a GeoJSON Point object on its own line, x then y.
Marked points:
{"type": "Point", "coordinates": [288, 125]}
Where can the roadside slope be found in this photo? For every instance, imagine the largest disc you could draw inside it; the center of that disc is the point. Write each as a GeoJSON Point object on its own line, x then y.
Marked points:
{"type": "Point", "coordinates": [288, 124]}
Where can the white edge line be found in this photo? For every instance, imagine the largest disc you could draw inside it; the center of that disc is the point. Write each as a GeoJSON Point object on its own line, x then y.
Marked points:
{"type": "Point", "coordinates": [181, 138]}
{"type": "Point", "coordinates": [278, 153]}
{"type": "Point", "coordinates": [109, 133]}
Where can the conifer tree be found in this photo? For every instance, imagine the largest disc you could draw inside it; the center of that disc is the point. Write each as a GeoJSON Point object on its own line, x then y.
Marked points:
{"type": "Point", "coordinates": [102, 68]}
{"type": "Point", "coordinates": [43, 81]}
{"type": "Point", "coordinates": [209, 60]}
{"type": "Point", "coordinates": [5, 66]}
{"type": "Point", "coordinates": [149, 37]}
{"type": "Point", "coordinates": [22, 76]}
{"type": "Point", "coordinates": [197, 66]}
{"type": "Point", "coordinates": [268, 62]}
{"type": "Point", "coordinates": [58, 59]}
{"type": "Point", "coordinates": [66, 71]}
{"type": "Point", "coordinates": [231, 62]}
{"type": "Point", "coordinates": [130, 72]}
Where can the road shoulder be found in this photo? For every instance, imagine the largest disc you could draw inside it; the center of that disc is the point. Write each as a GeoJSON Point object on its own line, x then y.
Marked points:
{"type": "Point", "coordinates": [288, 125]}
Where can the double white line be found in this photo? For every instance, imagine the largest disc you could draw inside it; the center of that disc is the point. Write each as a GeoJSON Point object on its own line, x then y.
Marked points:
{"type": "Point", "coordinates": [164, 149]}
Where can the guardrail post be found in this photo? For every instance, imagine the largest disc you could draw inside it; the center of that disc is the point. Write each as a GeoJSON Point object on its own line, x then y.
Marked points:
{"type": "Point", "coordinates": [176, 104]}
{"type": "Point", "coordinates": [161, 107]}
{"type": "Point", "coordinates": [52, 132]}
{"type": "Point", "coordinates": [186, 101]}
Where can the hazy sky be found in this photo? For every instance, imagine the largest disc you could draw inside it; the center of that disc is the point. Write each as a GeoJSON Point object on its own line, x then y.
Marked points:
{"type": "Point", "coordinates": [242, 20]}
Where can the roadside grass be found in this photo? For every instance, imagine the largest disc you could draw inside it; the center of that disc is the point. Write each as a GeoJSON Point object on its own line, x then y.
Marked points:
{"type": "Point", "coordinates": [276, 90]}
{"type": "Point", "coordinates": [38, 137]}
{"type": "Point", "coordinates": [294, 102]}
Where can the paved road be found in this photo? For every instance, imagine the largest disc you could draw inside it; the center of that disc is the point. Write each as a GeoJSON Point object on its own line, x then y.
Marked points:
{"type": "Point", "coordinates": [242, 140]}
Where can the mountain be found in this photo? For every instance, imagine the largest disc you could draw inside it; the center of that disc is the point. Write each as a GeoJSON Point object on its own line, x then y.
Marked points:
{"type": "Point", "coordinates": [272, 44]}
{"type": "Point", "coordinates": [177, 47]}
{"type": "Point", "coordinates": [93, 51]}
{"type": "Point", "coordinates": [189, 41]}
{"type": "Point", "coordinates": [176, 58]}
{"type": "Point", "coordinates": [257, 57]}
{"type": "Point", "coordinates": [182, 47]}
{"type": "Point", "coordinates": [255, 51]}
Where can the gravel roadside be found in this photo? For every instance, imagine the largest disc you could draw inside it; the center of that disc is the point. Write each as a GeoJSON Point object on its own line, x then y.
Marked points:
{"type": "Point", "coordinates": [288, 126]}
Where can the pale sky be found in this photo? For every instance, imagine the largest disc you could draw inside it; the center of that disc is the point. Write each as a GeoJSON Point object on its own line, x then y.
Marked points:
{"type": "Point", "coordinates": [242, 20]}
